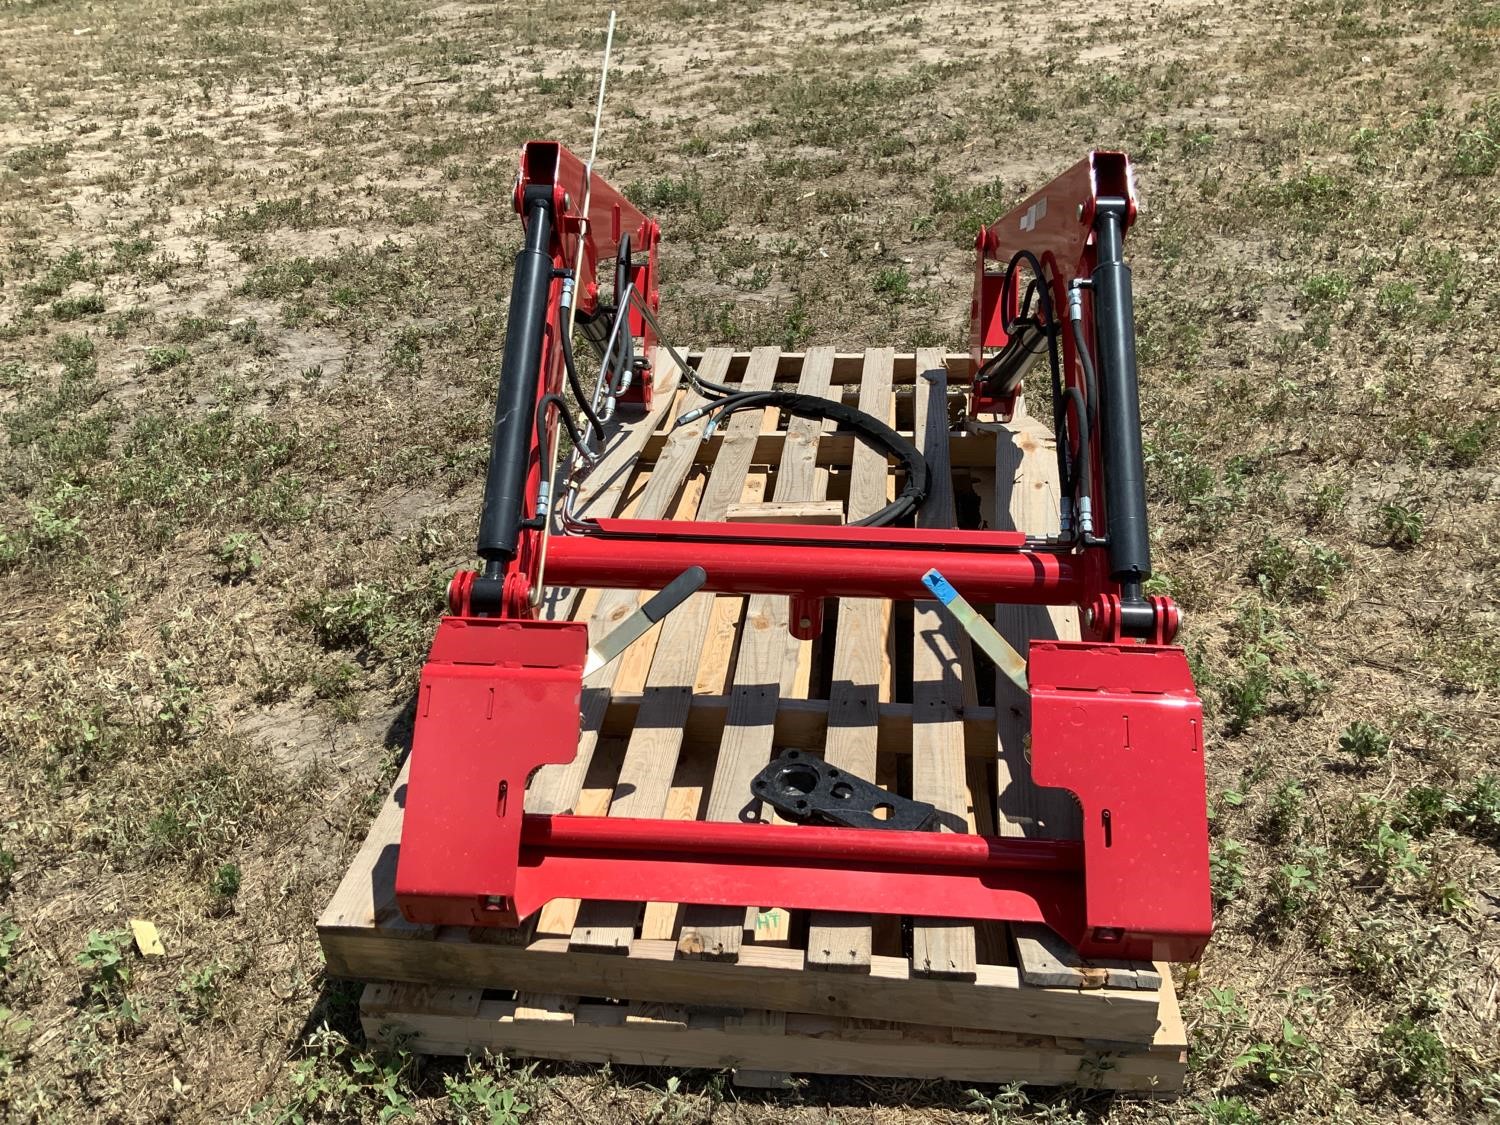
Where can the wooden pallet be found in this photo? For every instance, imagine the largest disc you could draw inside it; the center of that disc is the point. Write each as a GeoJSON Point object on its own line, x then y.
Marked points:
{"type": "Point", "coordinates": [758, 1045]}
{"type": "Point", "coordinates": [680, 724]}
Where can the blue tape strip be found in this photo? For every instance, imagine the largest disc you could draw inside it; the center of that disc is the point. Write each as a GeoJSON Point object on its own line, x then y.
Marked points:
{"type": "Point", "coordinates": [939, 587]}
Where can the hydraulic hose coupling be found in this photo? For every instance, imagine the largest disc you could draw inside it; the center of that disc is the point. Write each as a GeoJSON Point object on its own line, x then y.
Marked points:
{"type": "Point", "coordinates": [1075, 299]}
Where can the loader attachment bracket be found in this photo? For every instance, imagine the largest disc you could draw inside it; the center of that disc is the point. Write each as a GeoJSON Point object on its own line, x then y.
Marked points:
{"type": "Point", "coordinates": [498, 699]}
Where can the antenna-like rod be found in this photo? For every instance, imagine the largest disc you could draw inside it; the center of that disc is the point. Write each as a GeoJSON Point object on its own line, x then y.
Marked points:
{"type": "Point", "coordinates": [588, 169]}
{"type": "Point", "coordinates": [544, 505]}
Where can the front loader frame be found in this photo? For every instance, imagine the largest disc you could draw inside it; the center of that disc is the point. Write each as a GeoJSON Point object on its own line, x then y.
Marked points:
{"type": "Point", "coordinates": [1115, 719]}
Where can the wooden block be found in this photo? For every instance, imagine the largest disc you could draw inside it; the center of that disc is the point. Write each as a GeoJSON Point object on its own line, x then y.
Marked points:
{"type": "Point", "coordinates": [547, 1007]}
{"type": "Point", "coordinates": [749, 1079]}
{"type": "Point", "coordinates": [772, 926]}
{"type": "Point", "coordinates": [438, 1000]}
{"type": "Point", "coordinates": [1047, 961]}
{"type": "Point", "coordinates": [801, 511]}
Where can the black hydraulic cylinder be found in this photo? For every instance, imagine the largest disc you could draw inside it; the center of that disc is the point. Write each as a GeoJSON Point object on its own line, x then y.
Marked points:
{"type": "Point", "coordinates": [515, 404]}
{"type": "Point", "coordinates": [1119, 405]}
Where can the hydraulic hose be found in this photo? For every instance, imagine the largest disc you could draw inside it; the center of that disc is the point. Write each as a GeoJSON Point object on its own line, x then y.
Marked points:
{"type": "Point", "coordinates": [868, 429]}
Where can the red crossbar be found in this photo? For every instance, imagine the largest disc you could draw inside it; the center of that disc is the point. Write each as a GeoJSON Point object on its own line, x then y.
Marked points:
{"type": "Point", "coordinates": [817, 562]}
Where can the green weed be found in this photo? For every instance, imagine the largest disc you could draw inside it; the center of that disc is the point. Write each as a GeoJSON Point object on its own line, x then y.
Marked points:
{"type": "Point", "coordinates": [1402, 527]}
{"type": "Point", "coordinates": [1227, 869]}
{"type": "Point", "coordinates": [1364, 742]}
{"type": "Point", "coordinates": [1411, 1056]}
{"type": "Point", "coordinates": [72, 308]}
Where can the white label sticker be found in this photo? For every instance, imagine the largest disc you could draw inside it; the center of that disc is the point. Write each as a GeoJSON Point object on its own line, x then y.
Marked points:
{"type": "Point", "coordinates": [1034, 213]}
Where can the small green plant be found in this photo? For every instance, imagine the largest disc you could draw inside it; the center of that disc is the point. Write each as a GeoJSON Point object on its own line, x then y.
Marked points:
{"type": "Point", "coordinates": [226, 880]}
{"type": "Point", "coordinates": [164, 359]}
{"type": "Point", "coordinates": [202, 988]}
{"type": "Point", "coordinates": [71, 308]}
{"type": "Point", "coordinates": [1283, 810]}
{"type": "Point", "coordinates": [1325, 289]}
{"type": "Point", "coordinates": [893, 283]}
{"type": "Point", "coordinates": [1402, 527]}
{"type": "Point", "coordinates": [239, 557]}
{"type": "Point", "coordinates": [1365, 742]}
{"type": "Point", "coordinates": [1294, 886]}
{"type": "Point", "coordinates": [1299, 570]}
{"type": "Point", "coordinates": [477, 1098]}
{"type": "Point", "coordinates": [1397, 300]}
{"type": "Point", "coordinates": [1294, 1056]}
{"type": "Point", "coordinates": [1226, 864]}
{"type": "Point", "coordinates": [108, 976]}
{"type": "Point", "coordinates": [1478, 813]}
{"type": "Point", "coordinates": [1411, 1056]}
{"type": "Point", "coordinates": [1424, 809]}
{"type": "Point", "coordinates": [10, 937]}
{"type": "Point", "coordinates": [336, 1082]}
{"type": "Point", "coordinates": [15, 1030]}
{"type": "Point", "coordinates": [1229, 1111]}
{"type": "Point", "coordinates": [1001, 1106]}
{"type": "Point", "coordinates": [1391, 853]}
{"type": "Point", "coordinates": [1248, 696]}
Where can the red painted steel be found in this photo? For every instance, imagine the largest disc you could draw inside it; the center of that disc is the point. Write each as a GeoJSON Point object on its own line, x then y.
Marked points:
{"type": "Point", "coordinates": [1118, 725]}
{"type": "Point", "coordinates": [812, 562]}
{"type": "Point", "coordinates": [1056, 224]}
{"type": "Point", "coordinates": [497, 699]}
{"type": "Point", "coordinates": [799, 841]}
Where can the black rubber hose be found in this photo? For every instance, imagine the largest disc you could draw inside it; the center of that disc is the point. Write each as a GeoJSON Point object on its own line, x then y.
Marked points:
{"type": "Point", "coordinates": [867, 428]}
{"type": "Point", "coordinates": [1043, 291]}
{"type": "Point", "coordinates": [1090, 379]}
{"type": "Point", "coordinates": [1082, 461]}
{"type": "Point", "coordinates": [577, 384]}
{"type": "Point", "coordinates": [541, 428]}
{"type": "Point", "coordinates": [625, 362]}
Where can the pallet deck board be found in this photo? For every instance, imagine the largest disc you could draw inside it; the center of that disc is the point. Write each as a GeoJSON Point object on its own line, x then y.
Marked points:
{"type": "Point", "coordinates": [941, 947]}
{"type": "Point", "coordinates": [651, 757]}
{"type": "Point", "coordinates": [842, 942]}
{"type": "Point", "coordinates": [767, 658]}
{"type": "Point", "coordinates": [888, 693]}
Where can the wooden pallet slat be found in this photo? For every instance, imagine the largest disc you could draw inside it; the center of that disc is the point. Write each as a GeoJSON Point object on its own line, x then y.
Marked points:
{"type": "Point", "coordinates": [777, 1043]}
{"type": "Point", "coordinates": [651, 757]}
{"type": "Point", "coordinates": [940, 947]}
{"type": "Point", "coordinates": [842, 942]}
{"type": "Point", "coordinates": [767, 659]}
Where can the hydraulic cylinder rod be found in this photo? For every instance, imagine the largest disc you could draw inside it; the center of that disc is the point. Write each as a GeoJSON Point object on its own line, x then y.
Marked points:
{"type": "Point", "coordinates": [515, 405]}
{"type": "Point", "coordinates": [1119, 405]}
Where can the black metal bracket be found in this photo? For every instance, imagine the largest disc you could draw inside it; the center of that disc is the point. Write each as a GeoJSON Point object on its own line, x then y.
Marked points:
{"type": "Point", "coordinates": [809, 790]}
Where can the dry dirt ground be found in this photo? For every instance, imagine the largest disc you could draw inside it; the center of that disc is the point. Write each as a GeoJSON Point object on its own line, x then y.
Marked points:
{"type": "Point", "coordinates": [254, 262]}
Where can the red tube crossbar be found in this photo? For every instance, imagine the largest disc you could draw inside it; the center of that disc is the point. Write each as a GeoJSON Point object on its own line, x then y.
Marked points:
{"type": "Point", "coordinates": [793, 842]}
{"type": "Point", "coordinates": [811, 562]}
